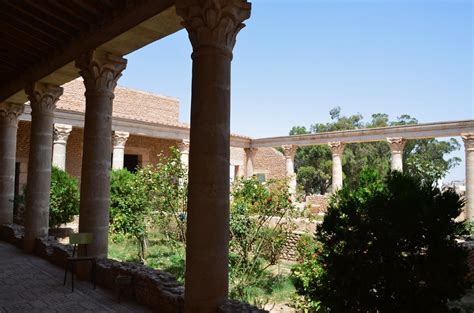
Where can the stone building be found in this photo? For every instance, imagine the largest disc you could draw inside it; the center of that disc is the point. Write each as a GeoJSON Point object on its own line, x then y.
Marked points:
{"type": "Point", "coordinates": [50, 43]}
{"type": "Point", "coordinates": [134, 148]}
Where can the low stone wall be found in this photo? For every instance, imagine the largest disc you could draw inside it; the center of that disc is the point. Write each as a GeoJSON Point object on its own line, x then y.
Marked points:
{"type": "Point", "coordinates": [232, 306]}
{"type": "Point", "coordinates": [289, 250]}
{"type": "Point", "coordinates": [154, 288]}
{"type": "Point", "coordinates": [151, 287]}
{"type": "Point", "coordinates": [317, 203]}
{"type": "Point", "coordinates": [470, 259]}
{"type": "Point", "coordinates": [13, 234]}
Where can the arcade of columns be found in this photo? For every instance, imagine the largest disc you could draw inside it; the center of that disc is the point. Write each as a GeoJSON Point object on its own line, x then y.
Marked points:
{"type": "Point", "coordinates": [212, 31]}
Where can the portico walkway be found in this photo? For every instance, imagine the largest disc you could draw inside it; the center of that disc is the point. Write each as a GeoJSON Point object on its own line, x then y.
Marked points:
{"type": "Point", "coordinates": [30, 284]}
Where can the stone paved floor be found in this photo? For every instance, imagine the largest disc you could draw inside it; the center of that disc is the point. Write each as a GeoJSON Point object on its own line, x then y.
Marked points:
{"type": "Point", "coordinates": [30, 284]}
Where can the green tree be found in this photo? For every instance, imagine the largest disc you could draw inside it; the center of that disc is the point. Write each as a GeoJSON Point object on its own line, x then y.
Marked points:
{"type": "Point", "coordinates": [129, 208]}
{"type": "Point", "coordinates": [155, 195]}
{"type": "Point", "coordinates": [424, 158]}
{"type": "Point", "coordinates": [63, 199]}
{"type": "Point", "coordinates": [388, 246]}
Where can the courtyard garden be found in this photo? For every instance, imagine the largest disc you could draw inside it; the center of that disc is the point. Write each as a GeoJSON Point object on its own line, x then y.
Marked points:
{"type": "Point", "coordinates": [365, 240]}
{"type": "Point", "coordinates": [365, 250]}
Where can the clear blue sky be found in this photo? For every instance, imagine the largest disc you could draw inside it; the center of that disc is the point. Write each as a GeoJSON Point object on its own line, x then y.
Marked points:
{"type": "Point", "coordinates": [297, 59]}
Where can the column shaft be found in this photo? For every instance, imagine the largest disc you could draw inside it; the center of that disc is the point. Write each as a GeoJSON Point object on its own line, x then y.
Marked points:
{"type": "Point", "coordinates": [337, 148]}
{"type": "Point", "coordinates": [61, 134]}
{"type": "Point", "coordinates": [43, 100]}
{"type": "Point", "coordinates": [118, 155]}
{"type": "Point", "coordinates": [100, 72]}
{"type": "Point", "coordinates": [183, 148]}
{"type": "Point", "coordinates": [208, 199]}
{"type": "Point", "coordinates": [396, 148]}
{"type": "Point", "coordinates": [212, 28]}
{"type": "Point", "coordinates": [290, 151]}
{"type": "Point", "coordinates": [469, 148]}
{"type": "Point", "coordinates": [250, 156]}
{"type": "Point", "coordinates": [9, 113]}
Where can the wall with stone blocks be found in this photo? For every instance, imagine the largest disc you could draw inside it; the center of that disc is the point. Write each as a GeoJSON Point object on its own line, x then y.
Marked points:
{"type": "Point", "coordinates": [317, 203]}
{"type": "Point", "coordinates": [271, 162]}
{"type": "Point", "coordinates": [147, 148]}
{"type": "Point", "coordinates": [267, 160]}
{"type": "Point", "coordinates": [128, 103]}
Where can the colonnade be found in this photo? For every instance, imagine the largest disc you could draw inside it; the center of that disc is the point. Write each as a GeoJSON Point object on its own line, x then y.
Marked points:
{"type": "Point", "coordinates": [396, 144]}
{"type": "Point", "coordinates": [213, 27]}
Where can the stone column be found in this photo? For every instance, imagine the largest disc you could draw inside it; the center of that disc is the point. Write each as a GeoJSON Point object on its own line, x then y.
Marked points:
{"type": "Point", "coordinates": [290, 151]}
{"type": "Point", "coordinates": [100, 72]}
{"type": "Point", "coordinates": [183, 147]}
{"type": "Point", "coordinates": [61, 134]}
{"type": "Point", "coordinates": [396, 148]}
{"type": "Point", "coordinates": [212, 27]}
{"type": "Point", "coordinates": [43, 98]}
{"type": "Point", "coordinates": [250, 155]}
{"type": "Point", "coordinates": [337, 148]}
{"type": "Point", "coordinates": [469, 147]}
{"type": "Point", "coordinates": [118, 155]}
{"type": "Point", "coordinates": [9, 113]}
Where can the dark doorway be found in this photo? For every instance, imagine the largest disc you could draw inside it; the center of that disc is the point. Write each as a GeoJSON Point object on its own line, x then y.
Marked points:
{"type": "Point", "coordinates": [17, 179]}
{"type": "Point", "coordinates": [131, 162]}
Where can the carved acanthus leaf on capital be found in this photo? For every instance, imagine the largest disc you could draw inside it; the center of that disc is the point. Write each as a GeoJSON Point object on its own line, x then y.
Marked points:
{"type": "Point", "coordinates": [396, 144]}
{"type": "Point", "coordinates": [468, 141]}
{"type": "Point", "coordinates": [289, 151]}
{"type": "Point", "coordinates": [337, 147]}
{"type": "Point", "coordinates": [10, 112]}
{"type": "Point", "coordinates": [183, 146]}
{"type": "Point", "coordinates": [213, 23]}
{"type": "Point", "coordinates": [61, 133]}
{"type": "Point", "coordinates": [100, 71]}
{"type": "Point", "coordinates": [43, 97]}
{"type": "Point", "coordinates": [120, 139]}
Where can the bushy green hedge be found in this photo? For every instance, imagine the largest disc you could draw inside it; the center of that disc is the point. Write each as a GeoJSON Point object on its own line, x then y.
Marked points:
{"type": "Point", "coordinates": [388, 246]}
{"type": "Point", "coordinates": [64, 198]}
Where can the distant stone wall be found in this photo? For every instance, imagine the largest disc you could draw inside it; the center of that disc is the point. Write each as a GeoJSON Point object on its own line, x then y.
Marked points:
{"type": "Point", "coordinates": [147, 148]}
{"type": "Point", "coordinates": [317, 203]}
{"type": "Point", "coordinates": [270, 162]}
{"type": "Point", "coordinates": [289, 250]}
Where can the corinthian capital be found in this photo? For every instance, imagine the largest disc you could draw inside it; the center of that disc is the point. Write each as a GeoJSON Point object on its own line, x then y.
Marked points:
{"type": "Point", "coordinates": [120, 138]}
{"type": "Point", "coordinates": [213, 23]}
{"type": "Point", "coordinates": [43, 97]}
{"type": "Point", "coordinates": [468, 141]}
{"type": "Point", "coordinates": [9, 112]}
{"type": "Point", "coordinates": [61, 133]}
{"type": "Point", "coordinates": [289, 151]}
{"type": "Point", "coordinates": [183, 146]}
{"type": "Point", "coordinates": [100, 71]}
{"type": "Point", "coordinates": [396, 144]}
{"type": "Point", "coordinates": [337, 147]}
{"type": "Point", "coordinates": [251, 152]}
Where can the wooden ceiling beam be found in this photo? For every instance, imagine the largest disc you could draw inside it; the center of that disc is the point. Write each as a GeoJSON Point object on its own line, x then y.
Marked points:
{"type": "Point", "coordinates": [7, 27]}
{"type": "Point", "coordinates": [72, 12]}
{"type": "Point", "coordinates": [17, 6]}
{"type": "Point", "coordinates": [69, 51]}
{"type": "Point", "coordinates": [20, 24]}
{"type": "Point", "coordinates": [53, 13]}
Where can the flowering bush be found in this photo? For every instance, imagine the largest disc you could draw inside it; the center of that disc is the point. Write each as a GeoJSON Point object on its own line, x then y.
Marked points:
{"type": "Point", "coordinates": [260, 221]}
